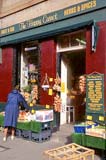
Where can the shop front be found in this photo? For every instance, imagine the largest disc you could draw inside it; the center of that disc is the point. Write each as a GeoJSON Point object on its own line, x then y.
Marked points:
{"type": "Point", "coordinates": [51, 55]}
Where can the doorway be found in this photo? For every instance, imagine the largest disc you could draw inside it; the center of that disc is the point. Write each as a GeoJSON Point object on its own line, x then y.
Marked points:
{"type": "Point", "coordinates": [72, 69]}
{"type": "Point", "coordinates": [71, 48]}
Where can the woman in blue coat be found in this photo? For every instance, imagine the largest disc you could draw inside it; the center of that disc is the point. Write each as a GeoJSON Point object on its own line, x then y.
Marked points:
{"type": "Point", "coordinates": [12, 111]}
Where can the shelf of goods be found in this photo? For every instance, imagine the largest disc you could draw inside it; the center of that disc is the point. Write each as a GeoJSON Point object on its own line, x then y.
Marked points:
{"type": "Point", "coordinates": [71, 151]}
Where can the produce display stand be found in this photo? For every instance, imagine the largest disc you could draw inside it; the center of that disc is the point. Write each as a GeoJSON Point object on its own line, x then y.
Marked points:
{"type": "Point", "coordinates": [89, 141]}
{"type": "Point", "coordinates": [71, 151]}
{"type": "Point", "coordinates": [95, 112]}
{"type": "Point", "coordinates": [36, 131]}
{"type": "Point", "coordinates": [32, 125]}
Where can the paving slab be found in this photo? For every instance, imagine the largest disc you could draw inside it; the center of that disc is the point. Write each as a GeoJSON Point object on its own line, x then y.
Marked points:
{"type": "Point", "coordinates": [21, 149]}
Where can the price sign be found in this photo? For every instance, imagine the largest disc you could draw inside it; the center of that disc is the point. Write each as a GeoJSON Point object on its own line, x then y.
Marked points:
{"type": "Point", "coordinates": [95, 93]}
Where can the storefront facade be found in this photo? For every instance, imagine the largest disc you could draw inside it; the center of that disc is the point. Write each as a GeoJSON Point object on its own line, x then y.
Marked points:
{"type": "Point", "coordinates": [60, 45]}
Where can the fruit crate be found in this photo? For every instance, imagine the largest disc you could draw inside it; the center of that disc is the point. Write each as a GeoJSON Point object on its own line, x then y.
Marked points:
{"type": "Point", "coordinates": [24, 125]}
{"type": "Point", "coordinates": [70, 152]}
{"type": "Point", "coordinates": [40, 126]}
{"type": "Point", "coordinates": [81, 127]}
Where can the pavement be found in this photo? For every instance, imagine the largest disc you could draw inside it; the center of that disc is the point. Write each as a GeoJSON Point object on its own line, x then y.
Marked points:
{"type": "Point", "coordinates": [21, 149]}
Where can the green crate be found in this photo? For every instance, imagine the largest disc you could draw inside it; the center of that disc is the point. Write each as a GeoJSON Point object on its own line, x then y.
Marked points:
{"type": "Point", "coordinates": [89, 141]}
{"type": "Point", "coordinates": [1, 120]}
{"type": "Point", "coordinates": [36, 126]}
{"type": "Point", "coordinates": [77, 138]}
{"type": "Point", "coordinates": [94, 142]}
{"type": "Point", "coordinates": [24, 125]}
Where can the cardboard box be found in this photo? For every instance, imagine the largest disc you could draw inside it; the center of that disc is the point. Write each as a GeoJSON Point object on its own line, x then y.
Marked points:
{"type": "Point", "coordinates": [44, 115]}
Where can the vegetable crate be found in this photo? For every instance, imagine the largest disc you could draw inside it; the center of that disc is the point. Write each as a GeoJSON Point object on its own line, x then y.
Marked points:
{"type": "Point", "coordinates": [81, 128]}
{"type": "Point", "coordinates": [70, 152]}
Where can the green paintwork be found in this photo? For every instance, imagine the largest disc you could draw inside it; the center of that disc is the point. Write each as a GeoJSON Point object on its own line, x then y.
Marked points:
{"type": "Point", "coordinates": [89, 141]}
{"type": "Point", "coordinates": [54, 23]}
{"type": "Point", "coordinates": [95, 93]}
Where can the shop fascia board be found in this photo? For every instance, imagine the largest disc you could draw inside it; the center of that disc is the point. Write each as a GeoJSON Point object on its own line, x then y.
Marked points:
{"type": "Point", "coordinates": [60, 27]}
{"type": "Point", "coordinates": [72, 11]}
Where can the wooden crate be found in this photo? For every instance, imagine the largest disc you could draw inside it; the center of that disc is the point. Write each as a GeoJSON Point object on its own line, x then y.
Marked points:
{"type": "Point", "coordinates": [71, 151]}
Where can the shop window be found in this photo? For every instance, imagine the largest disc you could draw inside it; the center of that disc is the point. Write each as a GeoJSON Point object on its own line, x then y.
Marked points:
{"type": "Point", "coordinates": [30, 73]}
{"type": "Point", "coordinates": [71, 40]}
{"type": "Point", "coordinates": [63, 42]}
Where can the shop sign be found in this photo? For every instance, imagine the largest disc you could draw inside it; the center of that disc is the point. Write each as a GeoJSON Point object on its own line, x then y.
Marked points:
{"type": "Point", "coordinates": [52, 17]}
{"type": "Point", "coordinates": [95, 93]}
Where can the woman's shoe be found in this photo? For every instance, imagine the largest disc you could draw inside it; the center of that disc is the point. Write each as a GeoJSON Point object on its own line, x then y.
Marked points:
{"type": "Point", "coordinates": [4, 139]}
{"type": "Point", "coordinates": [12, 137]}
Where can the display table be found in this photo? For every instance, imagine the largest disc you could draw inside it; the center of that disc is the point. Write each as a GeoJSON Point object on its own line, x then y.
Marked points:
{"type": "Point", "coordinates": [37, 131]}
{"type": "Point", "coordinates": [32, 125]}
{"type": "Point", "coordinates": [89, 141]}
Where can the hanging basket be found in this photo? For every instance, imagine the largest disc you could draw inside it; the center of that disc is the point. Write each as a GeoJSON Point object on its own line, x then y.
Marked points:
{"type": "Point", "coordinates": [45, 87]}
{"type": "Point", "coordinates": [45, 84]}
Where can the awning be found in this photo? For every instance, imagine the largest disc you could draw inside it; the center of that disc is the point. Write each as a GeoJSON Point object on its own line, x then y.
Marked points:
{"type": "Point", "coordinates": [51, 30]}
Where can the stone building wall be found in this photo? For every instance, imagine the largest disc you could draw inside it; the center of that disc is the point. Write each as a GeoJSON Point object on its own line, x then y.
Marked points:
{"type": "Point", "coordinates": [29, 9]}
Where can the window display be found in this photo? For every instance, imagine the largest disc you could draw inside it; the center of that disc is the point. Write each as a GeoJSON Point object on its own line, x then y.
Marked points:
{"type": "Point", "coordinates": [30, 74]}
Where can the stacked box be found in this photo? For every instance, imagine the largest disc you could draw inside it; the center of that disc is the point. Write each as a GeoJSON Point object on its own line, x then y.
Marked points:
{"type": "Point", "coordinates": [34, 136]}
{"type": "Point", "coordinates": [42, 136]}
{"type": "Point", "coordinates": [18, 133]}
{"type": "Point", "coordinates": [26, 134]}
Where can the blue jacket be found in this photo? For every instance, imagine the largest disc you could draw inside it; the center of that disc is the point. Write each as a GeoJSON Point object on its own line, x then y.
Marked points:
{"type": "Point", "coordinates": [12, 108]}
